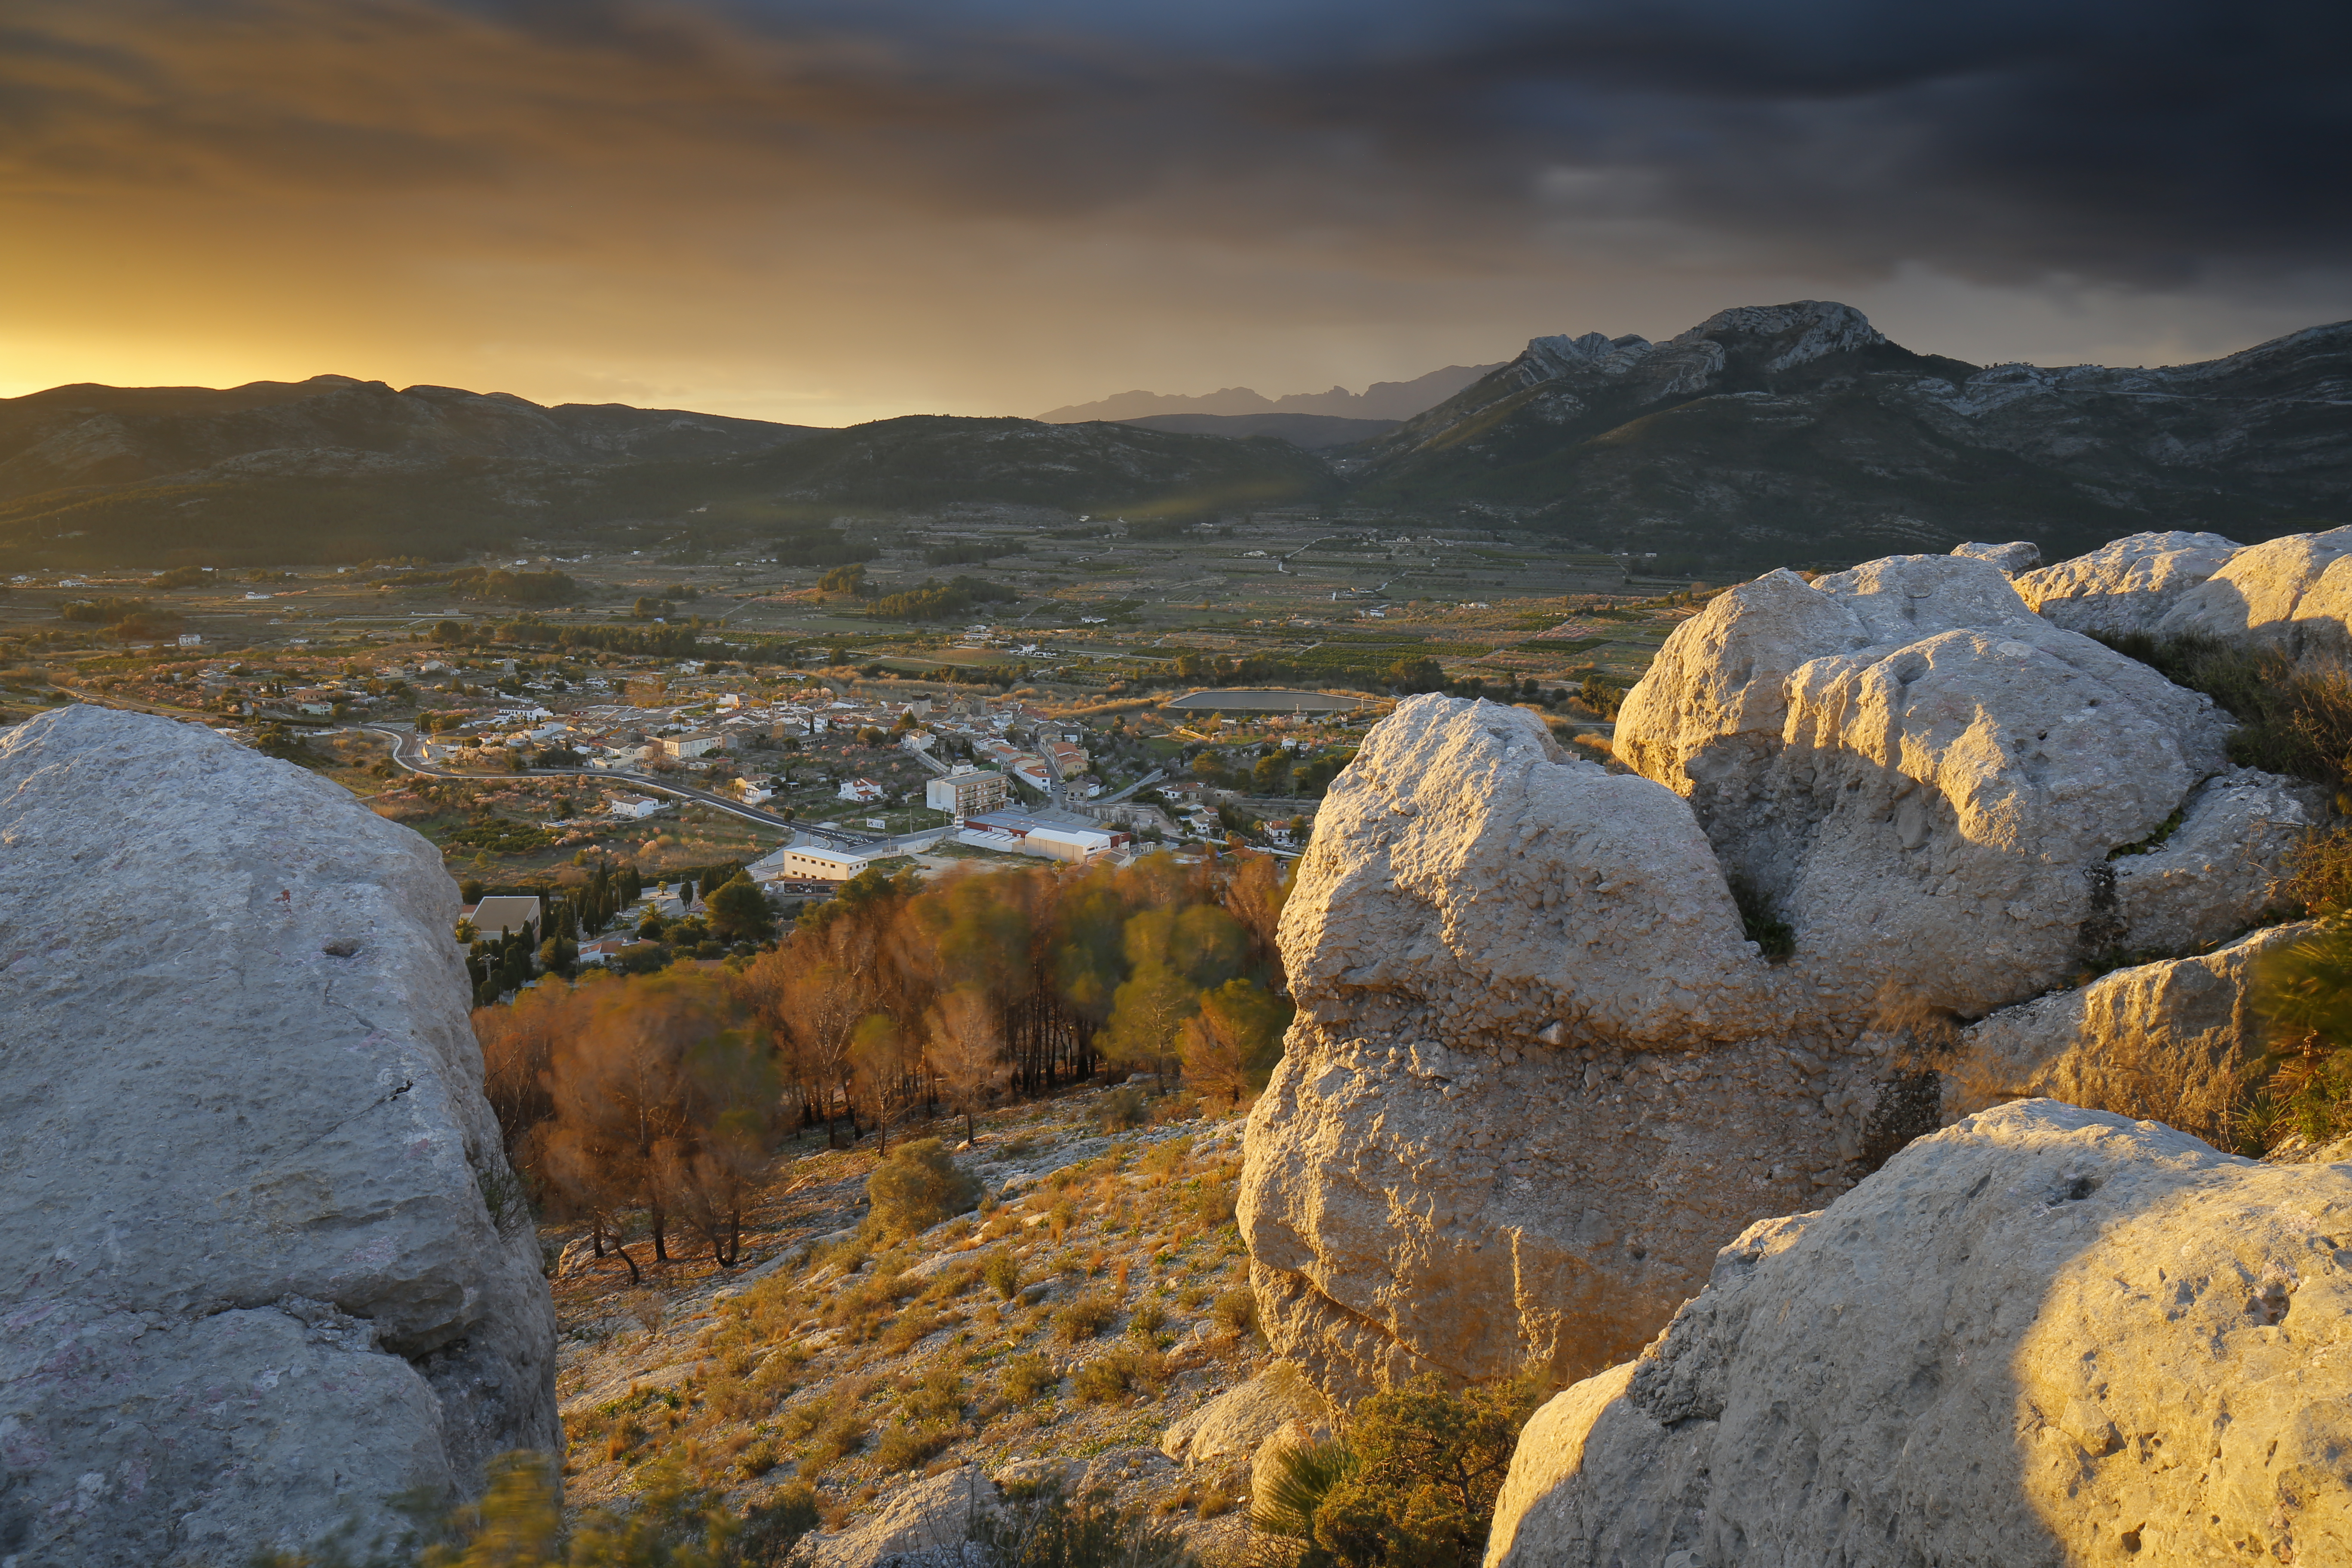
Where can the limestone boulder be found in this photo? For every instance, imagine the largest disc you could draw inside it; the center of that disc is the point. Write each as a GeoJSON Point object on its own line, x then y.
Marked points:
{"type": "Point", "coordinates": [1539, 1073]}
{"type": "Point", "coordinates": [1545, 1065]}
{"type": "Point", "coordinates": [2044, 1336]}
{"type": "Point", "coordinates": [2018, 555]}
{"type": "Point", "coordinates": [2291, 595]}
{"type": "Point", "coordinates": [2167, 1038]}
{"type": "Point", "coordinates": [268, 1267]}
{"type": "Point", "coordinates": [1234, 1424]}
{"type": "Point", "coordinates": [1920, 776]}
{"type": "Point", "coordinates": [2128, 585]}
{"type": "Point", "coordinates": [925, 1524]}
{"type": "Point", "coordinates": [2220, 866]}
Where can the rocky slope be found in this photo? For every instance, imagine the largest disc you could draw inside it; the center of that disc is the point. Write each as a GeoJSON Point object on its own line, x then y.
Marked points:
{"type": "Point", "coordinates": [901, 1382]}
{"type": "Point", "coordinates": [1544, 1066]}
{"type": "Point", "coordinates": [2046, 1336]}
{"type": "Point", "coordinates": [268, 1264]}
{"type": "Point", "coordinates": [1799, 433]}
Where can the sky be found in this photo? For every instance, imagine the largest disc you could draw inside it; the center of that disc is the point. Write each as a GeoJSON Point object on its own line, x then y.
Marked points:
{"type": "Point", "coordinates": [827, 211]}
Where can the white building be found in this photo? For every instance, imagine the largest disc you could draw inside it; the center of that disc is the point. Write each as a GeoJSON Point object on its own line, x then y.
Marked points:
{"type": "Point", "coordinates": [864, 792]}
{"type": "Point", "coordinates": [816, 863]}
{"type": "Point", "coordinates": [632, 807]}
{"type": "Point", "coordinates": [967, 792]}
{"type": "Point", "coordinates": [751, 793]}
{"type": "Point", "coordinates": [685, 746]}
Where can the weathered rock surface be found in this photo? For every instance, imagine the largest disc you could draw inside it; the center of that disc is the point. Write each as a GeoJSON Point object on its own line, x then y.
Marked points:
{"type": "Point", "coordinates": [255, 1285]}
{"type": "Point", "coordinates": [2045, 1336]}
{"type": "Point", "coordinates": [2017, 555]}
{"type": "Point", "coordinates": [2291, 594]}
{"type": "Point", "coordinates": [1232, 1427]}
{"type": "Point", "coordinates": [1541, 1071]}
{"type": "Point", "coordinates": [1919, 774]}
{"type": "Point", "coordinates": [2126, 586]}
{"type": "Point", "coordinates": [2145, 1033]}
{"type": "Point", "coordinates": [924, 1522]}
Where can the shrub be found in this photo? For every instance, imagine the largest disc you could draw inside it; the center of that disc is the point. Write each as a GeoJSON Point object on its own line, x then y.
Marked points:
{"type": "Point", "coordinates": [1002, 1272]}
{"type": "Point", "coordinates": [1039, 1527]}
{"type": "Point", "coordinates": [1147, 1319]}
{"type": "Point", "coordinates": [1235, 1311]}
{"type": "Point", "coordinates": [841, 1435]}
{"type": "Point", "coordinates": [758, 1459]}
{"type": "Point", "coordinates": [1084, 1319]}
{"type": "Point", "coordinates": [939, 1397]}
{"type": "Point", "coordinates": [1164, 1160]}
{"type": "Point", "coordinates": [1121, 1108]}
{"type": "Point", "coordinates": [1417, 1482]}
{"type": "Point", "coordinates": [2288, 721]}
{"type": "Point", "coordinates": [2319, 873]}
{"type": "Point", "coordinates": [1110, 1378]}
{"type": "Point", "coordinates": [2303, 992]}
{"type": "Point", "coordinates": [918, 1186]}
{"type": "Point", "coordinates": [771, 1529]}
{"type": "Point", "coordinates": [1027, 1378]}
{"type": "Point", "coordinates": [906, 1445]}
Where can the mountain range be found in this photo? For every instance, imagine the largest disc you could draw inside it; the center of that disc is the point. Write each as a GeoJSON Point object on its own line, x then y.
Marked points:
{"type": "Point", "coordinates": [1381, 400]}
{"type": "Point", "coordinates": [1793, 434]}
{"type": "Point", "coordinates": [1799, 433]}
{"type": "Point", "coordinates": [336, 469]}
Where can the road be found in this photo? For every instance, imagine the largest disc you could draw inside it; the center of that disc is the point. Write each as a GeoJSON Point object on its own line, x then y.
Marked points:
{"type": "Point", "coordinates": [407, 747]}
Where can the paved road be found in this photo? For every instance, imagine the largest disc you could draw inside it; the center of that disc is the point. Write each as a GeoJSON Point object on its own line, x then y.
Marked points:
{"type": "Point", "coordinates": [1146, 782]}
{"type": "Point", "coordinates": [407, 747]}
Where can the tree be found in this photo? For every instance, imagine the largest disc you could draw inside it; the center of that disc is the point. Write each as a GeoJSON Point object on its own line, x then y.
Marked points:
{"type": "Point", "coordinates": [740, 912]}
{"type": "Point", "coordinates": [1272, 774]}
{"type": "Point", "coordinates": [967, 1049]}
{"type": "Point", "coordinates": [1231, 1044]}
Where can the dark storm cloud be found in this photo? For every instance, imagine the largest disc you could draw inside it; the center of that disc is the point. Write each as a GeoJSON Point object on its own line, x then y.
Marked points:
{"type": "Point", "coordinates": [2132, 141]}
{"type": "Point", "coordinates": [2138, 143]}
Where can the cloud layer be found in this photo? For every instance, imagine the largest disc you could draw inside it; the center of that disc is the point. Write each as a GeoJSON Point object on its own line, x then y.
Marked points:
{"type": "Point", "coordinates": [834, 210]}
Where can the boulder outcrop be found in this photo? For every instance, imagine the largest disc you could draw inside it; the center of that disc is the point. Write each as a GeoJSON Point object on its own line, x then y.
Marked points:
{"type": "Point", "coordinates": [1545, 1065]}
{"type": "Point", "coordinates": [2017, 555]}
{"type": "Point", "coordinates": [2128, 585]}
{"type": "Point", "coordinates": [268, 1266]}
{"type": "Point", "coordinates": [2044, 1336]}
{"type": "Point", "coordinates": [2292, 595]}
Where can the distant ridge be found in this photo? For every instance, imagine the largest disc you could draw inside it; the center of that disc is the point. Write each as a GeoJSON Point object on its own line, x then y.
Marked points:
{"type": "Point", "coordinates": [1381, 400]}
{"type": "Point", "coordinates": [1312, 431]}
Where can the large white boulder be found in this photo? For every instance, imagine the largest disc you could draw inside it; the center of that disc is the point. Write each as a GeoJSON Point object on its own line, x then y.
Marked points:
{"type": "Point", "coordinates": [269, 1268]}
{"type": "Point", "coordinates": [2126, 586]}
{"type": "Point", "coordinates": [1921, 776]}
{"type": "Point", "coordinates": [1539, 1073]}
{"type": "Point", "coordinates": [1542, 1069]}
{"type": "Point", "coordinates": [2292, 595]}
{"type": "Point", "coordinates": [2044, 1337]}
{"type": "Point", "coordinates": [2018, 555]}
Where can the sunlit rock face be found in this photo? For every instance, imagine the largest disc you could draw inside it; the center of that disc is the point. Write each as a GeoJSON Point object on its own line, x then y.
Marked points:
{"type": "Point", "coordinates": [2045, 1336]}
{"type": "Point", "coordinates": [1544, 1066]}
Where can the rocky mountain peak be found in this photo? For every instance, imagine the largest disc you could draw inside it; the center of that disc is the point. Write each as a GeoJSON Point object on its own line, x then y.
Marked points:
{"type": "Point", "coordinates": [1791, 334]}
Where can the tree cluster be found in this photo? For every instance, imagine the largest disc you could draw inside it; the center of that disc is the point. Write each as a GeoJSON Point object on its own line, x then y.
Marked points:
{"type": "Point", "coordinates": [892, 998]}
